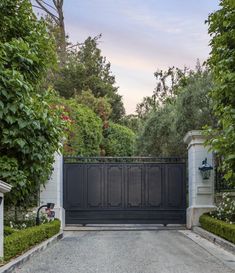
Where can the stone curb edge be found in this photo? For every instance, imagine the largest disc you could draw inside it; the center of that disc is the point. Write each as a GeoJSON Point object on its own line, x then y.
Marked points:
{"type": "Point", "coordinates": [12, 265]}
{"type": "Point", "coordinates": [122, 227]}
{"type": "Point", "coordinates": [215, 239]}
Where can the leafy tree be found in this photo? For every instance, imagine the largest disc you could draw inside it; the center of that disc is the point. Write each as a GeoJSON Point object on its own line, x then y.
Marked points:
{"type": "Point", "coordinates": [193, 105]}
{"type": "Point", "coordinates": [157, 137]}
{"type": "Point", "coordinates": [86, 69]}
{"type": "Point", "coordinates": [133, 122]}
{"type": "Point", "coordinates": [55, 21]}
{"type": "Point", "coordinates": [119, 140]}
{"type": "Point", "coordinates": [222, 64]}
{"type": "Point", "coordinates": [190, 109]}
{"type": "Point", "coordinates": [30, 130]}
{"type": "Point", "coordinates": [165, 91]}
{"type": "Point", "coordinates": [100, 105]}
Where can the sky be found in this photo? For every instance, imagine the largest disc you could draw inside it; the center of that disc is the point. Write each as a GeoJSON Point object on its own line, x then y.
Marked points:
{"type": "Point", "coordinates": [141, 36]}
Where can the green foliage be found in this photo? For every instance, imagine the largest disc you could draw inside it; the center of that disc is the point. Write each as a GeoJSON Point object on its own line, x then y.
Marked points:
{"type": "Point", "coordinates": [218, 227]}
{"type": "Point", "coordinates": [100, 105]}
{"type": "Point", "coordinates": [8, 231]}
{"type": "Point", "coordinates": [119, 140]}
{"type": "Point", "coordinates": [133, 122]}
{"type": "Point", "coordinates": [25, 40]}
{"type": "Point", "coordinates": [87, 69]}
{"type": "Point", "coordinates": [30, 130]}
{"type": "Point", "coordinates": [85, 132]}
{"type": "Point", "coordinates": [222, 64]}
{"type": "Point", "coordinates": [225, 210]}
{"type": "Point", "coordinates": [166, 124]}
{"type": "Point", "coordinates": [10, 172]}
{"type": "Point", "coordinates": [165, 90]}
{"type": "Point", "coordinates": [24, 219]}
{"type": "Point", "coordinates": [20, 241]}
{"type": "Point", "coordinates": [193, 105]}
{"type": "Point", "coordinates": [157, 137]}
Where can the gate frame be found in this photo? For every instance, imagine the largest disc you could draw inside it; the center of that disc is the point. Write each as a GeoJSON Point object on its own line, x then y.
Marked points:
{"type": "Point", "coordinates": [138, 215]}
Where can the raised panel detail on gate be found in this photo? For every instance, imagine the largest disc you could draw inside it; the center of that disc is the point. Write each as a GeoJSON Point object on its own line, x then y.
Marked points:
{"type": "Point", "coordinates": [74, 186]}
{"type": "Point", "coordinates": [94, 186]}
{"type": "Point", "coordinates": [114, 186]}
{"type": "Point", "coordinates": [134, 186]}
{"type": "Point", "coordinates": [154, 186]}
{"type": "Point", "coordinates": [174, 185]}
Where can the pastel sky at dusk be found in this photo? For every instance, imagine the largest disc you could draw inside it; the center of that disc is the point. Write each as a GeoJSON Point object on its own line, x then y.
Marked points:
{"type": "Point", "coordinates": [139, 37]}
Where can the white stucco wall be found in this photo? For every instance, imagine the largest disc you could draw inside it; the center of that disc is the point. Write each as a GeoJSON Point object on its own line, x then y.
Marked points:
{"type": "Point", "coordinates": [53, 190]}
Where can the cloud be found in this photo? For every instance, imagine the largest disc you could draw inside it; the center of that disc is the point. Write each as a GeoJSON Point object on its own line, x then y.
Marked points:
{"type": "Point", "coordinates": [150, 21]}
{"type": "Point", "coordinates": [141, 36]}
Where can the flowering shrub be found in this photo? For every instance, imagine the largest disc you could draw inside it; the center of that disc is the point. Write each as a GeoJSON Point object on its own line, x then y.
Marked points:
{"type": "Point", "coordinates": [28, 220]}
{"type": "Point", "coordinates": [225, 210]}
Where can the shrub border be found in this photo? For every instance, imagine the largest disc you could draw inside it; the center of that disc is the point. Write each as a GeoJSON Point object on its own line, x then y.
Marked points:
{"type": "Point", "coordinates": [218, 227]}
{"type": "Point", "coordinates": [21, 241]}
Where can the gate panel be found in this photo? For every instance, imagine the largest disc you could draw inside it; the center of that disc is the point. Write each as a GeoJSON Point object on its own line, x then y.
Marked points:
{"type": "Point", "coordinates": [134, 181]}
{"type": "Point", "coordinates": [94, 186]}
{"type": "Point", "coordinates": [175, 186]}
{"type": "Point", "coordinates": [114, 186]}
{"type": "Point", "coordinates": [154, 186]}
{"type": "Point", "coordinates": [74, 186]}
{"type": "Point", "coordinates": [124, 190]}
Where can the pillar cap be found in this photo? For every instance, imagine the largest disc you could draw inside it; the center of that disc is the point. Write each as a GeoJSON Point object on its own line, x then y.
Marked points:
{"type": "Point", "coordinates": [194, 135]}
{"type": "Point", "coordinates": [4, 187]}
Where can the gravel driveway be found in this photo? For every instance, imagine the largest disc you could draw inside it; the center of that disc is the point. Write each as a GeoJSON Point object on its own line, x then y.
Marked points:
{"type": "Point", "coordinates": [163, 251]}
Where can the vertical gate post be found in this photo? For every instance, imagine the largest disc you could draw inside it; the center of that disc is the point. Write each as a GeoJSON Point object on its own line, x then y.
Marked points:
{"type": "Point", "coordinates": [201, 192]}
{"type": "Point", "coordinates": [52, 192]}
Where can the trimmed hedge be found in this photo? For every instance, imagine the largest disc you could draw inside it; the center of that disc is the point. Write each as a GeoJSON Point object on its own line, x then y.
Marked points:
{"type": "Point", "coordinates": [24, 239]}
{"type": "Point", "coordinates": [8, 230]}
{"type": "Point", "coordinates": [218, 227]}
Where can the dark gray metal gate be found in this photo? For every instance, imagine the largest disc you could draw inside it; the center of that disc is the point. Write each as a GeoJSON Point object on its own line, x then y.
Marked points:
{"type": "Point", "coordinates": [124, 190]}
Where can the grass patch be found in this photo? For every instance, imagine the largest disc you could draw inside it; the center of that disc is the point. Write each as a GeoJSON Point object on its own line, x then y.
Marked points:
{"type": "Point", "coordinates": [22, 240]}
{"type": "Point", "coordinates": [218, 227]}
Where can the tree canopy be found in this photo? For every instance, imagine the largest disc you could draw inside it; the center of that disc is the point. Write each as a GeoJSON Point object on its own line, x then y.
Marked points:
{"type": "Point", "coordinates": [31, 131]}
{"type": "Point", "coordinates": [187, 108]}
{"type": "Point", "coordinates": [118, 140]}
{"type": "Point", "coordinates": [86, 69]}
{"type": "Point", "coordinates": [222, 65]}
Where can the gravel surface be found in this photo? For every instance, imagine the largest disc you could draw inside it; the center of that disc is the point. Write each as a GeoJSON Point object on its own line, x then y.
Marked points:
{"type": "Point", "coordinates": [163, 251]}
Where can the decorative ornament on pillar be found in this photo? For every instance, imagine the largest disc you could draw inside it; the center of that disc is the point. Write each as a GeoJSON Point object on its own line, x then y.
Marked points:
{"type": "Point", "coordinates": [205, 169]}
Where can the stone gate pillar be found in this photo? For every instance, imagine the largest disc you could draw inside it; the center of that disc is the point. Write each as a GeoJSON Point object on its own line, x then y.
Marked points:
{"type": "Point", "coordinates": [201, 192]}
{"type": "Point", "coordinates": [52, 192]}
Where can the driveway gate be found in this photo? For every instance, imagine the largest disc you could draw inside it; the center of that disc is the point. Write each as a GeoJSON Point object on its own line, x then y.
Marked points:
{"type": "Point", "coordinates": [124, 190]}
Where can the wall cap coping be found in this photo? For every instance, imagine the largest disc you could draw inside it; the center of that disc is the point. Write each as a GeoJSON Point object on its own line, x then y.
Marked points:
{"type": "Point", "coordinates": [202, 207]}
{"type": "Point", "coordinates": [194, 135]}
{"type": "Point", "coordinates": [4, 187]}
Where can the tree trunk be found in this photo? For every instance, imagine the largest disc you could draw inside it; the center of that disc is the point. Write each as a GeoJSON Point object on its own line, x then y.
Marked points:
{"type": "Point", "coordinates": [57, 16]}
{"type": "Point", "coordinates": [62, 42]}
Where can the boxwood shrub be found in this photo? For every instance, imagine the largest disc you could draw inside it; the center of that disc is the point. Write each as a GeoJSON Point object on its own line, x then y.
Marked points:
{"type": "Point", "coordinates": [22, 240]}
{"type": "Point", "coordinates": [218, 227]}
{"type": "Point", "coordinates": [8, 230]}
